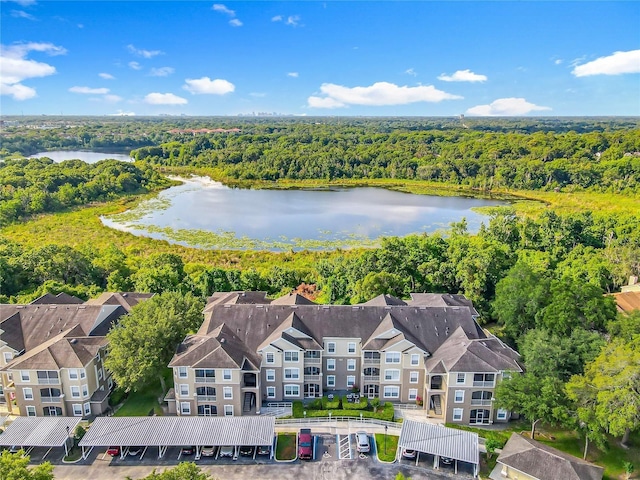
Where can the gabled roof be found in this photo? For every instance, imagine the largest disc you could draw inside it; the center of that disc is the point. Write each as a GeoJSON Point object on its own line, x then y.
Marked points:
{"type": "Point", "coordinates": [292, 299]}
{"type": "Point", "coordinates": [546, 463]}
{"type": "Point", "coordinates": [441, 300]}
{"type": "Point", "coordinates": [384, 299]}
{"type": "Point", "coordinates": [127, 300]}
{"type": "Point", "coordinates": [60, 299]}
{"type": "Point", "coordinates": [627, 302]}
{"type": "Point", "coordinates": [236, 298]}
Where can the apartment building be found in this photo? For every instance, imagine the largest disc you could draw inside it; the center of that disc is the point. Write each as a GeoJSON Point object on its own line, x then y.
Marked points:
{"type": "Point", "coordinates": [250, 351]}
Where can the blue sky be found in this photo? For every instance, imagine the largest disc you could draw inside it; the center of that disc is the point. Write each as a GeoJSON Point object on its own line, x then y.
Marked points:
{"type": "Point", "coordinates": [320, 58]}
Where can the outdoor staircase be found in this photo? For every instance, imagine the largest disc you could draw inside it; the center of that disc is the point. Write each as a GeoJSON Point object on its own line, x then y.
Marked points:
{"type": "Point", "coordinates": [437, 405]}
{"type": "Point", "coordinates": [248, 402]}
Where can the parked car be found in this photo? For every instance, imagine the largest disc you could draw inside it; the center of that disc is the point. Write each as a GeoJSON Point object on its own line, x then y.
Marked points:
{"type": "Point", "coordinates": [135, 451]}
{"type": "Point", "coordinates": [226, 451]}
{"type": "Point", "coordinates": [446, 460]}
{"type": "Point", "coordinates": [246, 451]}
{"type": "Point", "coordinates": [362, 440]}
{"type": "Point", "coordinates": [113, 451]}
{"type": "Point", "coordinates": [264, 450]}
{"type": "Point", "coordinates": [14, 448]}
{"type": "Point", "coordinates": [305, 444]}
{"type": "Point", "coordinates": [187, 450]}
{"type": "Point", "coordinates": [208, 451]}
{"type": "Point", "coordinates": [408, 453]}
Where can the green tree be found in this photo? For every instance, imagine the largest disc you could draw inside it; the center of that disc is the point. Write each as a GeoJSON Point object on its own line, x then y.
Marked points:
{"type": "Point", "coordinates": [143, 342]}
{"type": "Point", "coordinates": [375, 284]}
{"type": "Point", "coordinates": [160, 272]}
{"type": "Point", "coordinates": [15, 466]}
{"type": "Point", "coordinates": [625, 326]}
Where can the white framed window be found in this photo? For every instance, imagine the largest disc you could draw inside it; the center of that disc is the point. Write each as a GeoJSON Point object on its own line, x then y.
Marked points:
{"type": "Point", "coordinates": [351, 364]}
{"type": "Point", "coordinates": [271, 375]}
{"type": "Point", "coordinates": [391, 391]}
{"type": "Point", "coordinates": [292, 390]}
{"type": "Point", "coordinates": [73, 375]}
{"type": "Point", "coordinates": [331, 380]}
{"type": "Point", "coordinates": [28, 393]}
{"type": "Point", "coordinates": [77, 410]}
{"type": "Point", "coordinates": [87, 408]}
{"type": "Point", "coordinates": [99, 374]}
{"type": "Point", "coordinates": [185, 408]}
{"type": "Point", "coordinates": [182, 372]}
{"type": "Point", "coordinates": [184, 389]}
{"type": "Point", "coordinates": [271, 392]}
{"type": "Point", "coordinates": [226, 375]}
{"type": "Point", "coordinates": [24, 376]}
{"type": "Point", "coordinates": [331, 347]}
{"type": "Point", "coordinates": [351, 381]}
{"type": "Point", "coordinates": [457, 414]}
{"type": "Point", "coordinates": [460, 378]}
{"type": "Point", "coordinates": [83, 373]}
{"type": "Point", "coordinates": [291, 356]}
{"type": "Point", "coordinates": [459, 396]}
{"type": "Point", "coordinates": [110, 383]}
{"type": "Point", "coordinates": [415, 359]}
{"type": "Point", "coordinates": [8, 356]}
{"type": "Point", "coordinates": [392, 374]}
{"type": "Point", "coordinates": [98, 356]}
{"type": "Point", "coordinates": [392, 357]}
{"type": "Point", "coordinates": [292, 373]}
{"type": "Point", "coordinates": [31, 411]}
{"type": "Point", "coordinates": [228, 410]}
{"type": "Point", "coordinates": [501, 414]}
{"type": "Point", "coordinates": [351, 347]}
{"type": "Point", "coordinates": [85, 391]}
{"type": "Point", "coordinates": [413, 393]}
{"type": "Point", "coordinates": [331, 364]}
{"type": "Point", "coordinates": [413, 377]}
{"type": "Point", "coordinates": [227, 392]}
{"type": "Point", "coordinates": [270, 357]}
{"type": "Point", "coordinates": [75, 391]}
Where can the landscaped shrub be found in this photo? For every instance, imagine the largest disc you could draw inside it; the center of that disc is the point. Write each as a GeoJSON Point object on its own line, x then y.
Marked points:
{"type": "Point", "coordinates": [384, 413]}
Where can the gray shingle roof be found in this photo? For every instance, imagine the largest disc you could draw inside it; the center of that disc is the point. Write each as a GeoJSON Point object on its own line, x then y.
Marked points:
{"type": "Point", "coordinates": [127, 300]}
{"type": "Point", "coordinates": [59, 299]}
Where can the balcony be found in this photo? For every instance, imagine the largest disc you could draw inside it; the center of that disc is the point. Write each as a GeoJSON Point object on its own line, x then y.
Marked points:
{"type": "Point", "coordinates": [372, 361]}
{"type": "Point", "coordinates": [205, 398]}
{"type": "Point", "coordinates": [48, 381]}
{"type": "Point", "coordinates": [205, 379]}
{"type": "Point", "coordinates": [480, 383]}
{"type": "Point", "coordinates": [478, 401]}
{"type": "Point", "coordinates": [371, 378]}
{"type": "Point", "coordinates": [52, 399]}
{"type": "Point", "coordinates": [312, 378]}
{"type": "Point", "coordinates": [312, 360]}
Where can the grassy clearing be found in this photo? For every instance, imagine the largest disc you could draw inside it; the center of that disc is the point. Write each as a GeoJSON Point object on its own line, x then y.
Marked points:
{"type": "Point", "coordinates": [141, 403]}
{"type": "Point", "coordinates": [286, 446]}
{"type": "Point", "coordinates": [386, 446]}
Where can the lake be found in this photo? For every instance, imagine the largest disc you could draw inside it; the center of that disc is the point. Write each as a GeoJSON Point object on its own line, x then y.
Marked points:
{"type": "Point", "coordinates": [205, 214]}
{"type": "Point", "coordinates": [89, 157]}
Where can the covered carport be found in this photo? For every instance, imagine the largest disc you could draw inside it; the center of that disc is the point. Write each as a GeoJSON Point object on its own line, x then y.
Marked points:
{"type": "Point", "coordinates": [165, 432]}
{"type": "Point", "coordinates": [440, 441]}
{"type": "Point", "coordinates": [47, 432]}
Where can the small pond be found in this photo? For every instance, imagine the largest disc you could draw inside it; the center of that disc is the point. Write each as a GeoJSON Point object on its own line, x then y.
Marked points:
{"type": "Point", "coordinates": [89, 157]}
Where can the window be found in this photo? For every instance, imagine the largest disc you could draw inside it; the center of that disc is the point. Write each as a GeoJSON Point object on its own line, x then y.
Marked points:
{"type": "Point", "coordinates": [185, 408]}
{"type": "Point", "coordinates": [85, 391]}
{"type": "Point", "coordinates": [292, 390]}
{"type": "Point", "coordinates": [8, 356]}
{"type": "Point", "coordinates": [110, 383]}
{"type": "Point", "coordinates": [83, 373]}
{"type": "Point", "coordinates": [392, 357]}
{"type": "Point", "coordinates": [291, 373]}
{"type": "Point", "coordinates": [73, 375]}
{"type": "Point", "coordinates": [291, 356]}
{"type": "Point", "coordinates": [331, 347]}
{"type": "Point", "coordinates": [351, 347]}
{"type": "Point", "coordinates": [271, 392]}
{"type": "Point", "coordinates": [48, 377]}
{"type": "Point", "coordinates": [459, 396]}
{"type": "Point", "coordinates": [393, 375]}
{"type": "Point", "coordinates": [460, 378]}
{"type": "Point", "coordinates": [271, 357]}
{"type": "Point", "coordinates": [205, 375]}
{"type": "Point", "coordinates": [413, 377]}
{"type": "Point", "coordinates": [351, 364]}
{"type": "Point", "coordinates": [331, 363]}
{"type": "Point", "coordinates": [87, 408]}
{"type": "Point", "coordinates": [75, 391]}
{"type": "Point", "coordinates": [31, 411]}
{"type": "Point", "coordinates": [502, 414]}
{"type": "Point", "coordinates": [415, 359]}
{"type": "Point", "coordinates": [184, 389]}
{"type": "Point", "coordinates": [28, 393]}
{"type": "Point", "coordinates": [77, 410]}
{"type": "Point", "coordinates": [99, 374]}
{"type": "Point", "coordinates": [24, 376]}
{"type": "Point", "coordinates": [271, 375]}
{"type": "Point", "coordinates": [391, 392]}
{"type": "Point", "coordinates": [331, 380]}
{"type": "Point", "coordinates": [351, 381]}
{"type": "Point", "coordinates": [228, 410]}
{"type": "Point", "coordinates": [228, 392]}
{"type": "Point", "coordinates": [182, 372]}
{"type": "Point", "coordinates": [413, 393]}
{"type": "Point", "coordinates": [226, 375]}
{"type": "Point", "coordinates": [483, 379]}
{"type": "Point", "coordinates": [457, 414]}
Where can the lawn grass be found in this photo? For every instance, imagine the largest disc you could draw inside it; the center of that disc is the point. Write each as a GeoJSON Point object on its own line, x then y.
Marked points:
{"type": "Point", "coordinates": [286, 446]}
{"type": "Point", "coordinates": [74, 454]}
{"type": "Point", "coordinates": [142, 402]}
{"type": "Point", "coordinates": [387, 454]}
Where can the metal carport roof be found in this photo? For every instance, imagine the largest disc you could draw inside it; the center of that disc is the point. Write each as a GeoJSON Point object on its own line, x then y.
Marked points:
{"type": "Point", "coordinates": [439, 440]}
{"type": "Point", "coordinates": [39, 431]}
{"type": "Point", "coordinates": [179, 431]}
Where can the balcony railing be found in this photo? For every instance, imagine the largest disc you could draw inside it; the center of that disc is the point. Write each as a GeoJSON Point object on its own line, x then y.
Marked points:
{"type": "Point", "coordinates": [372, 361]}
{"type": "Point", "coordinates": [48, 381]}
{"type": "Point", "coordinates": [481, 383]}
{"type": "Point", "coordinates": [296, 378]}
{"type": "Point", "coordinates": [312, 360]}
{"type": "Point", "coordinates": [372, 378]}
{"type": "Point", "coordinates": [205, 398]}
{"type": "Point", "coordinates": [312, 378]}
{"type": "Point", "coordinates": [437, 386]}
{"type": "Point", "coordinates": [205, 379]}
{"type": "Point", "coordinates": [51, 399]}
{"type": "Point", "coordinates": [477, 401]}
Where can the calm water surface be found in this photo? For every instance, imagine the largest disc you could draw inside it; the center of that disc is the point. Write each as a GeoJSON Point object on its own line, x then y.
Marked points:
{"type": "Point", "coordinates": [89, 157]}
{"type": "Point", "coordinates": [200, 210]}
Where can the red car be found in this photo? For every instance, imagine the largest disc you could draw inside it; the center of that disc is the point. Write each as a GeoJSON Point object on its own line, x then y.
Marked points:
{"type": "Point", "coordinates": [113, 451]}
{"type": "Point", "coordinates": [305, 444]}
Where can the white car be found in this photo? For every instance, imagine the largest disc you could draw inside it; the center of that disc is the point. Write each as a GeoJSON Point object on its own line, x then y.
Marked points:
{"type": "Point", "coordinates": [226, 451]}
{"type": "Point", "coordinates": [362, 440]}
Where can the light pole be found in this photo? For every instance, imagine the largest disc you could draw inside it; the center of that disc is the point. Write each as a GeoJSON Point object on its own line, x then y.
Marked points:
{"type": "Point", "coordinates": [66, 449]}
{"type": "Point", "coordinates": [305, 414]}
{"type": "Point", "coordinates": [385, 439]}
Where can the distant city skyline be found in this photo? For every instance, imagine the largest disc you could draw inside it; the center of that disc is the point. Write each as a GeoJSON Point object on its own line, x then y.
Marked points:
{"type": "Point", "coordinates": [197, 58]}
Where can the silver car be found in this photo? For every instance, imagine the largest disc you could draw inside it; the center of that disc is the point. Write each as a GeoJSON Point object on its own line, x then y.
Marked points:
{"type": "Point", "coordinates": [362, 440]}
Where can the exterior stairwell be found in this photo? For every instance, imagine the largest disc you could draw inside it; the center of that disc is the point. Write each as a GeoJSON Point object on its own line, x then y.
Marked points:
{"type": "Point", "coordinates": [248, 401]}
{"type": "Point", "coordinates": [437, 405]}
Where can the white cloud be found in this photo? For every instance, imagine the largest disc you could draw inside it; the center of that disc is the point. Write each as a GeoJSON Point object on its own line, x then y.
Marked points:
{"type": "Point", "coordinates": [22, 14]}
{"type": "Point", "coordinates": [463, 76]}
{"type": "Point", "coordinates": [205, 85]}
{"type": "Point", "coordinates": [411, 71]}
{"type": "Point", "coordinates": [291, 20]}
{"type": "Point", "coordinates": [506, 107]}
{"type": "Point", "coordinates": [106, 76]}
{"type": "Point", "coordinates": [293, 74]}
{"type": "Point", "coordinates": [277, 18]}
{"type": "Point", "coordinates": [218, 7]}
{"type": "Point", "coordinates": [162, 71]}
{"type": "Point", "coordinates": [16, 68]}
{"type": "Point", "coordinates": [89, 90]}
{"type": "Point", "coordinates": [558, 61]}
{"type": "Point", "coordinates": [135, 65]}
{"type": "Point", "coordinates": [112, 98]}
{"type": "Point", "coordinates": [378, 94]}
{"type": "Point", "coordinates": [122, 114]}
{"type": "Point", "coordinates": [235, 22]}
{"type": "Point", "coordinates": [615, 64]}
{"type": "Point", "coordinates": [143, 53]}
{"type": "Point", "coordinates": [165, 99]}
